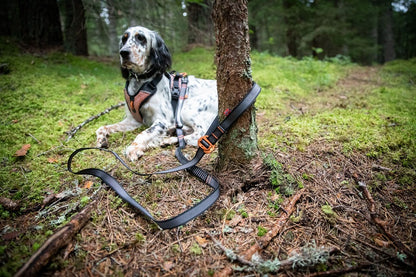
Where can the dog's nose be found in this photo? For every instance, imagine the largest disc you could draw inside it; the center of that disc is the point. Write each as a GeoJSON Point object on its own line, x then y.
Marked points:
{"type": "Point", "coordinates": [124, 54]}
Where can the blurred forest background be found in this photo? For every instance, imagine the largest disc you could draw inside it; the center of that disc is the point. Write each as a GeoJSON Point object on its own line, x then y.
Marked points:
{"type": "Point", "coordinates": [364, 31]}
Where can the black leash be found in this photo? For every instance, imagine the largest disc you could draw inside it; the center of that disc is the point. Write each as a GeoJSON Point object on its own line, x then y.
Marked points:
{"type": "Point", "coordinates": [206, 146]}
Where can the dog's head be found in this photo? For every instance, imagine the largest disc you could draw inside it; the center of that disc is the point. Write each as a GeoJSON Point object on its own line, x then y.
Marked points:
{"type": "Point", "coordinates": [143, 52]}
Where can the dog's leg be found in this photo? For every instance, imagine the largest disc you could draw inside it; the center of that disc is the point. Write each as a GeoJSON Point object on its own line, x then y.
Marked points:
{"type": "Point", "coordinates": [103, 132]}
{"type": "Point", "coordinates": [151, 137]}
{"type": "Point", "coordinates": [192, 139]}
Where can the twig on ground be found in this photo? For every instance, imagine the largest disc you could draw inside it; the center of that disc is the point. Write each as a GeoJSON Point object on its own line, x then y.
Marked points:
{"type": "Point", "coordinates": [56, 242]}
{"type": "Point", "coordinates": [229, 253]}
{"type": "Point", "coordinates": [32, 136]}
{"type": "Point", "coordinates": [76, 129]}
{"type": "Point", "coordinates": [382, 224]}
{"type": "Point", "coordinates": [380, 168]}
{"type": "Point", "coordinates": [264, 242]}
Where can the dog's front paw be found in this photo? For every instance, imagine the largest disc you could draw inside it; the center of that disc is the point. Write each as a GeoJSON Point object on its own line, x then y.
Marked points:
{"type": "Point", "coordinates": [134, 152]}
{"type": "Point", "coordinates": [169, 141]}
{"type": "Point", "coordinates": [102, 142]}
{"type": "Point", "coordinates": [102, 135]}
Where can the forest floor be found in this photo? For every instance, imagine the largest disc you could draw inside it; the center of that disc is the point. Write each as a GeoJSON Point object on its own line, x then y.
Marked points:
{"type": "Point", "coordinates": [312, 209]}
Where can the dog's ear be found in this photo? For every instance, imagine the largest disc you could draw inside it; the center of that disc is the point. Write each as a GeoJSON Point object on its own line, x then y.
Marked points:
{"type": "Point", "coordinates": [125, 73]}
{"type": "Point", "coordinates": [160, 55]}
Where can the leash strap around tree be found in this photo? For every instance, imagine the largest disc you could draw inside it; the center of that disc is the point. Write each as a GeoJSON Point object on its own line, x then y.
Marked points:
{"type": "Point", "coordinates": [206, 146]}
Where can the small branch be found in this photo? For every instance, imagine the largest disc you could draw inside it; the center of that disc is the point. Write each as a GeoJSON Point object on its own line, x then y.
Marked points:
{"type": "Point", "coordinates": [382, 224]}
{"type": "Point", "coordinates": [56, 242]}
{"type": "Point", "coordinates": [264, 242]}
{"type": "Point", "coordinates": [32, 136]}
{"type": "Point", "coordinates": [230, 254]}
{"type": "Point", "coordinates": [380, 168]}
{"type": "Point", "coordinates": [76, 129]}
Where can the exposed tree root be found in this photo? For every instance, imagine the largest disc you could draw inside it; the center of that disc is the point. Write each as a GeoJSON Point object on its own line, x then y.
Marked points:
{"type": "Point", "coordinates": [56, 242]}
{"type": "Point", "coordinates": [264, 242]}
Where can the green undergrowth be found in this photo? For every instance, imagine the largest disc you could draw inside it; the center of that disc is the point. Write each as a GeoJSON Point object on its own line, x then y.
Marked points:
{"type": "Point", "coordinates": [378, 120]}
{"type": "Point", "coordinates": [288, 79]}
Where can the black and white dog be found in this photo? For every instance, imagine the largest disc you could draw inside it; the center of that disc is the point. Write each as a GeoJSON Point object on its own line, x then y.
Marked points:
{"type": "Point", "coordinates": [144, 57]}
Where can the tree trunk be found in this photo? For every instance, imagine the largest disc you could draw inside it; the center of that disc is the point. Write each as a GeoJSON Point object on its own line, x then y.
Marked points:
{"type": "Point", "coordinates": [387, 32]}
{"type": "Point", "coordinates": [113, 36]}
{"type": "Point", "coordinates": [200, 23]}
{"type": "Point", "coordinates": [291, 33]}
{"type": "Point", "coordinates": [233, 81]}
{"type": "Point", "coordinates": [75, 28]}
{"type": "Point", "coordinates": [39, 23]}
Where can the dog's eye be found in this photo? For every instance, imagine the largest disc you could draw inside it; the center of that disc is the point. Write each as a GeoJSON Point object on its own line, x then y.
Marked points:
{"type": "Point", "coordinates": [124, 38]}
{"type": "Point", "coordinates": [140, 38]}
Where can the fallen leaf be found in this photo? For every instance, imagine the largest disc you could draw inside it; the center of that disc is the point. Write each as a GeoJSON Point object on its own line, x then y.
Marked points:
{"type": "Point", "coordinates": [9, 204]}
{"type": "Point", "coordinates": [382, 243]}
{"type": "Point", "coordinates": [235, 221]}
{"type": "Point", "coordinates": [168, 265]}
{"type": "Point", "coordinates": [201, 241]}
{"type": "Point", "coordinates": [22, 151]}
{"type": "Point", "coordinates": [52, 160]}
{"type": "Point", "coordinates": [88, 184]}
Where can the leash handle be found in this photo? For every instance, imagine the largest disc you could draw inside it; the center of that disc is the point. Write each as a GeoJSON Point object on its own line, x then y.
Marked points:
{"type": "Point", "coordinates": [170, 223]}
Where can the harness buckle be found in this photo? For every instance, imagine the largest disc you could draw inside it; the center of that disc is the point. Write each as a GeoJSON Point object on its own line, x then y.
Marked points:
{"type": "Point", "coordinates": [205, 144]}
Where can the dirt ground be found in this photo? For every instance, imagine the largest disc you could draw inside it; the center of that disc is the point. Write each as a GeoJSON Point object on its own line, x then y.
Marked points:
{"type": "Point", "coordinates": [346, 220]}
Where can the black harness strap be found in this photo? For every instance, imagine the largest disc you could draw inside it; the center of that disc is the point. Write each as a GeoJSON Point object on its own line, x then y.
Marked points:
{"type": "Point", "coordinates": [136, 99]}
{"type": "Point", "coordinates": [206, 145]}
{"type": "Point", "coordinates": [179, 92]}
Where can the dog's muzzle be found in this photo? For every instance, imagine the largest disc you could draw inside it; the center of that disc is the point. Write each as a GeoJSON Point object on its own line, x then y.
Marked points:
{"type": "Point", "coordinates": [125, 56]}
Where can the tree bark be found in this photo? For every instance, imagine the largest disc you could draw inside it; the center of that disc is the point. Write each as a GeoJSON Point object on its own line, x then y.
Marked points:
{"type": "Point", "coordinates": [387, 32]}
{"type": "Point", "coordinates": [234, 81]}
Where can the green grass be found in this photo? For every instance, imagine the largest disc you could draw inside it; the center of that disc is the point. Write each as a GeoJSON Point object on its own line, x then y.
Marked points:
{"type": "Point", "coordinates": [288, 79]}
{"type": "Point", "coordinates": [380, 122]}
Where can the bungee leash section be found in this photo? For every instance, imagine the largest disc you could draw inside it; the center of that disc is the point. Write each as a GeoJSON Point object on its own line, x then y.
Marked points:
{"type": "Point", "coordinates": [206, 146]}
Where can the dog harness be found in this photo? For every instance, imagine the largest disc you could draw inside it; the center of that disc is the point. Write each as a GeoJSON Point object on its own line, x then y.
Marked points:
{"type": "Point", "coordinates": [178, 86]}
{"type": "Point", "coordinates": [206, 145]}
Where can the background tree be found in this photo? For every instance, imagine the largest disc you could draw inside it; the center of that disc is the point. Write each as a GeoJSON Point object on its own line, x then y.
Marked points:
{"type": "Point", "coordinates": [367, 31]}
{"type": "Point", "coordinates": [234, 80]}
{"type": "Point", "coordinates": [405, 30]}
{"type": "Point", "coordinates": [74, 27]}
{"type": "Point", "coordinates": [200, 25]}
{"type": "Point", "coordinates": [36, 23]}
{"type": "Point", "coordinates": [386, 26]}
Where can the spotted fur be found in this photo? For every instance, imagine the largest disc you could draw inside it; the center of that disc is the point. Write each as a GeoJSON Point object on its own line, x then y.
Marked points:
{"type": "Point", "coordinates": [143, 55]}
